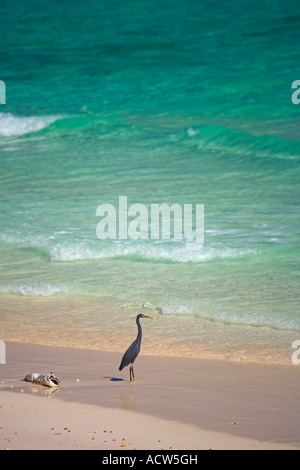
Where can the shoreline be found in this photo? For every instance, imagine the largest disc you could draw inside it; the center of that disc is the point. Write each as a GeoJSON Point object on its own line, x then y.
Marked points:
{"type": "Point", "coordinates": [189, 337]}
{"type": "Point", "coordinates": [191, 403]}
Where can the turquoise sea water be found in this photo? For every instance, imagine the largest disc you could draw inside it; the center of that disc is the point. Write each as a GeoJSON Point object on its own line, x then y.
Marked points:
{"type": "Point", "coordinates": [163, 102]}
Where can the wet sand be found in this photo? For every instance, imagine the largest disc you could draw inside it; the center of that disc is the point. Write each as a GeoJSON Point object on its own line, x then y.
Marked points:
{"type": "Point", "coordinates": [177, 403]}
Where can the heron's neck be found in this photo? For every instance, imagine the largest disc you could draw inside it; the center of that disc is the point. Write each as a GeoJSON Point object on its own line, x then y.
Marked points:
{"type": "Point", "coordinates": [139, 335]}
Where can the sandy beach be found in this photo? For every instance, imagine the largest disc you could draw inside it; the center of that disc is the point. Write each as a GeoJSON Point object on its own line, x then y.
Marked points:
{"type": "Point", "coordinates": [176, 403]}
{"type": "Point", "coordinates": [150, 167]}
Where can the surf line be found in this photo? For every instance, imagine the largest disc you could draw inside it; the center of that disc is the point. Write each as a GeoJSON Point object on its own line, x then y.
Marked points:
{"type": "Point", "coordinates": [187, 224]}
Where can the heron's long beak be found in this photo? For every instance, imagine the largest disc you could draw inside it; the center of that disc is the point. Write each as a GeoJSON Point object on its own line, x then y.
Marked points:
{"type": "Point", "coordinates": [149, 317]}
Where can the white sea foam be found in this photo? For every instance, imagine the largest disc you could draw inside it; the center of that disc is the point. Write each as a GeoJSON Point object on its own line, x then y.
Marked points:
{"type": "Point", "coordinates": [33, 290]}
{"type": "Point", "coordinates": [226, 316]}
{"type": "Point", "coordinates": [158, 252]}
{"type": "Point", "coordinates": [11, 125]}
{"type": "Point", "coordinates": [176, 254]}
{"type": "Point", "coordinates": [178, 308]}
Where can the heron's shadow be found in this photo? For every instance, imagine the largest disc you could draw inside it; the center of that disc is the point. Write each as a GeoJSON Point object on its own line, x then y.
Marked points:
{"type": "Point", "coordinates": [114, 379]}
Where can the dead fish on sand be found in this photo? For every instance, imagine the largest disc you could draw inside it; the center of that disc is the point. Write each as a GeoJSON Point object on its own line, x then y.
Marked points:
{"type": "Point", "coordinates": [48, 380]}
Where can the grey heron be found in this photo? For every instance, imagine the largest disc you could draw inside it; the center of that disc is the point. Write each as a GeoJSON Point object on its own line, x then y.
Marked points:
{"type": "Point", "coordinates": [133, 351]}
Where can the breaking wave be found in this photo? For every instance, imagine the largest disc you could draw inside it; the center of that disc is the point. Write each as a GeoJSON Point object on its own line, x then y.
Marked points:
{"type": "Point", "coordinates": [156, 252]}
{"type": "Point", "coordinates": [11, 125]}
{"type": "Point", "coordinates": [32, 290]}
{"type": "Point", "coordinates": [175, 254]}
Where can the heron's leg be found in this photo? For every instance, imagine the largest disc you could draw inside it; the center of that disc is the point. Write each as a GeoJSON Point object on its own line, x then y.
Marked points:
{"type": "Point", "coordinates": [131, 373]}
